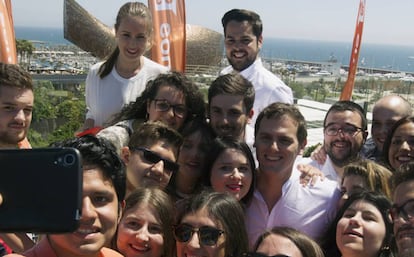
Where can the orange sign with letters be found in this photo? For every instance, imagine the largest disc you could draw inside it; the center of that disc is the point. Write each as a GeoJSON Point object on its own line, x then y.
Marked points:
{"type": "Point", "coordinates": [169, 33]}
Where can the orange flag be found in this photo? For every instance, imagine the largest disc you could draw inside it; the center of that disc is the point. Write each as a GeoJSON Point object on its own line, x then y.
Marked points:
{"type": "Point", "coordinates": [353, 63]}
{"type": "Point", "coordinates": [8, 52]}
{"type": "Point", "coordinates": [169, 33]}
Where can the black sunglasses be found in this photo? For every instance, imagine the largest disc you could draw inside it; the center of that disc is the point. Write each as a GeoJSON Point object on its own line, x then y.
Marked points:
{"type": "Point", "coordinates": [255, 254]}
{"type": "Point", "coordinates": [152, 157]}
{"type": "Point", "coordinates": [206, 235]}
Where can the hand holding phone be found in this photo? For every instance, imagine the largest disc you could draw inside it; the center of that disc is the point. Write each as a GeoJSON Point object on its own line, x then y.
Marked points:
{"type": "Point", "coordinates": [41, 190]}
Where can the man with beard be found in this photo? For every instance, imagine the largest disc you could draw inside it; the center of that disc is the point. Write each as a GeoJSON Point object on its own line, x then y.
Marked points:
{"type": "Point", "coordinates": [243, 40]}
{"type": "Point", "coordinates": [386, 112]}
{"type": "Point", "coordinates": [402, 211]}
{"type": "Point", "coordinates": [103, 193]}
{"type": "Point", "coordinates": [230, 107]}
{"type": "Point", "coordinates": [345, 131]}
{"type": "Point", "coordinates": [16, 106]}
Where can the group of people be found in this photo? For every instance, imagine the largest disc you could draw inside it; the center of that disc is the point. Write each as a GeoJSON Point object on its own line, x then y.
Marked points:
{"type": "Point", "coordinates": [168, 175]}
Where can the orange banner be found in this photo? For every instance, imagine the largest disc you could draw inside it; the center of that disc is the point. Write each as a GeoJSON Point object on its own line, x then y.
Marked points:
{"type": "Point", "coordinates": [169, 33]}
{"type": "Point", "coordinates": [8, 52]}
{"type": "Point", "coordinates": [353, 63]}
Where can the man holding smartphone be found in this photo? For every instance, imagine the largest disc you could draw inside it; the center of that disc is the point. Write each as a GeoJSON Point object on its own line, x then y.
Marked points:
{"type": "Point", "coordinates": [102, 201]}
{"type": "Point", "coordinates": [16, 105]}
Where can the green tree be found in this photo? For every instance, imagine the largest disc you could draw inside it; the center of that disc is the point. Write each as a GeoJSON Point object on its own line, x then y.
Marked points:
{"type": "Point", "coordinates": [298, 89]}
{"type": "Point", "coordinates": [45, 106]}
{"type": "Point", "coordinates": [72, 110]}
{"type": "Point", "coordinates": [24, 49]}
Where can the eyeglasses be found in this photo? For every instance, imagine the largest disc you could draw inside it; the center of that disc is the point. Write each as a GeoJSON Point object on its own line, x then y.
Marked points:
{"type": "Point", "coordinates": [154, 158]}
{"type": "Point", "coordinates": [349, 130]}
{"type": "Point", "coordinates": [406, 211]}
{"type": "Point", "coordinates": [206, 235]}
{"type": "Point", "coordinates": [255, 254]}
{"type": "Point", "coordinates": [163, 105]}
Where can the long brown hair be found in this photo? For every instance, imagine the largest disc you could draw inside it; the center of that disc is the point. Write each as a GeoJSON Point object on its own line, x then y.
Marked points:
{"type": "Point", "coordinates": [134, 9]}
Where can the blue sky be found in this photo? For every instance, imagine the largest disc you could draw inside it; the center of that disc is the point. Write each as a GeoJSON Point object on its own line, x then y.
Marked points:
{"type": "Point", "coordinates": [386, 22]}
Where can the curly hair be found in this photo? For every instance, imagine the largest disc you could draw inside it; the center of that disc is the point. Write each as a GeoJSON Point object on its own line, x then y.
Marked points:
{"type": "Point", "coordinates": [194, 100]}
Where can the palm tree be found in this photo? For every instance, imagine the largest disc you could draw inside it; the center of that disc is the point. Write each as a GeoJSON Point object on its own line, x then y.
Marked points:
{"type": "Point", "coordinates": [25, 50]}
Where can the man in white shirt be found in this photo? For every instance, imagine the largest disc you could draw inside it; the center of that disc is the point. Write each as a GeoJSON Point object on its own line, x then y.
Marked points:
{"type": "Point", "coordinates": [243, 40]}
{"type": "Point", "coordinates": [345, 131]}
{"type": "Point", "coordinates": [279, 199]}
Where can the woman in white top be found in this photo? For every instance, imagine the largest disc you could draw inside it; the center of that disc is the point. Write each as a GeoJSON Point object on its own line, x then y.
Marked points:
{"type": "Point", "coordinates": [122, 77]}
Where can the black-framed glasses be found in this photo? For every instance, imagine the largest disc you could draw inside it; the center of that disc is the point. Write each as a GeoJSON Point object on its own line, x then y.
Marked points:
{"type": "Point", "coordinates": [206, 235]}
{"type": "Point", "coordinates": [406, 211]}
{"type": "Point", "coordinates": [154, 158]}
{"type": "Point", "coordinates": [255, 254]}
{"type": "Point", "coordinates": [348, 130]}
{"type": "Point", "coordinates": [163, 105]}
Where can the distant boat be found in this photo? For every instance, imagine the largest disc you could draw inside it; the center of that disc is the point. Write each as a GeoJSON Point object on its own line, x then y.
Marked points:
{"type": "Point", "coordinates": [408, 78]}
{"type": "Point", "coordinates": [323, 73]}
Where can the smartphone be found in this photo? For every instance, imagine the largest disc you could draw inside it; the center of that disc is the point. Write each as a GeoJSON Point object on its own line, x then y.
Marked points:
{"type": "Point", "coordinates": [41, 190]}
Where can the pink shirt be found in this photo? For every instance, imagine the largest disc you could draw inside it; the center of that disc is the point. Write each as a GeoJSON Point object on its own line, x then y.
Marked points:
{"type": "Point", "coordinates": [308, 209]}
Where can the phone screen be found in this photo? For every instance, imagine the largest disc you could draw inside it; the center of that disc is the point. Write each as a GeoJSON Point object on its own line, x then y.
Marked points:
{"type": "Point", "coordinates": [41, 190]}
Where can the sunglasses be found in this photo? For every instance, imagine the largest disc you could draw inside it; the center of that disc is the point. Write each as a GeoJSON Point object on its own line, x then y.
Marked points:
{"type": "Point", "coordinates": [206, 235]}
{"type": "Point", "coordinates": [255, 254]}
{"type": "Point", "coordinates": [154, 158]}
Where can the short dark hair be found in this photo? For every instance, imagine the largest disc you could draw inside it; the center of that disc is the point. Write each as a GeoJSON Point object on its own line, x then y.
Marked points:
{"type": "Point", "coordinates": [225, 210]}
{"type": "Point", "coordinates": [388, 140]}
{"type": "Point", "coordinates": [12, 75]}
{"type": "Point", "coordinates": [233, 84]}
{"type": "Point", "coordinates": [342, 106]}
{"type": "Point", "coordinates": [102, 153]}
{"type": "Point", "coordinates": [218, 146]}
{"type": "Point", "coordinates": [278, 110]}
{"type": "Point", "coordinates": [151, 132]}
{"type": "Point", "coordinates": [240, 15]}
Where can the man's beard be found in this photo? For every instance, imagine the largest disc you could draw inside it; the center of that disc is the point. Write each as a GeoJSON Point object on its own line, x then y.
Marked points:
{"type": "Point", "coordinates": [6, 139]}
{"type": "Point", "coordinates": [353, 154]}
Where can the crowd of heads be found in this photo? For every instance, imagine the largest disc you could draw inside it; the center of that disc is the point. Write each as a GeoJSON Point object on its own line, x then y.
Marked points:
{"type": "Point", "coordinates": [180, 182]}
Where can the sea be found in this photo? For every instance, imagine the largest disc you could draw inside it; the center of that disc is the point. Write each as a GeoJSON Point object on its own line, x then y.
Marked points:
{"type": "Point", "coordinates": [389, 57]}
